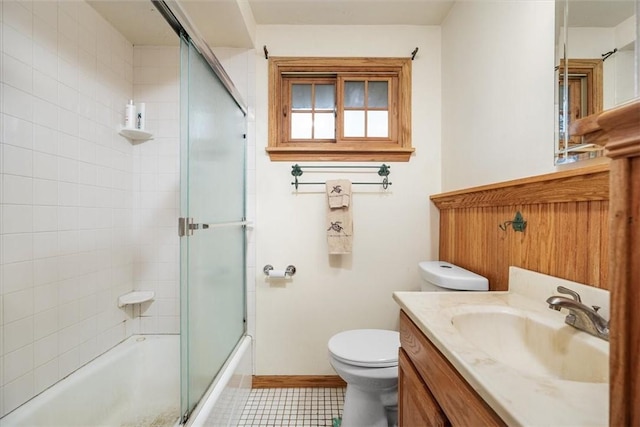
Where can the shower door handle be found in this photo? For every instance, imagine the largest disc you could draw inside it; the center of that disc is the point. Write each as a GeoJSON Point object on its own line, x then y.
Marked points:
{"type": "Point", "coordinates": [186, 225]}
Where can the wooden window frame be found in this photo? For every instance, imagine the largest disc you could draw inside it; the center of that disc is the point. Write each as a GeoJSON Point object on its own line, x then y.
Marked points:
{"type": "Point", "coordinates": [585, 92]}
{"type": "Point", "coordinates": [287, 82]}
{"type": "Point", "coordinates": [392, 107]}
{"type": "Point", "coordinates": [396, 148]}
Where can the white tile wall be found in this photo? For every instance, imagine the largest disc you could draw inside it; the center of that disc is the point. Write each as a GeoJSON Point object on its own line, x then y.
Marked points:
{"type": "Point", "coordinates": [156, 188]}
{"type": "Point", "coordinates": [66, 175]}
{"type": "Point", "coordinates": [85, 215]}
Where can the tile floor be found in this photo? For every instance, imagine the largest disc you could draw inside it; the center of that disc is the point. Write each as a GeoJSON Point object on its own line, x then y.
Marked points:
{"type": "Point", "coordinates": [293, 407]}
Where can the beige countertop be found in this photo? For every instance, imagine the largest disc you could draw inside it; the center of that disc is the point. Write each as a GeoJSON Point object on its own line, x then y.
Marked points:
{"type": "Point", "coordinates": [520, 396]}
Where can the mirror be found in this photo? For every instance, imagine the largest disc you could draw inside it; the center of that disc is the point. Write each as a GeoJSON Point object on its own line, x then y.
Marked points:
{"type": "Point", "coordinates": [596, 66]}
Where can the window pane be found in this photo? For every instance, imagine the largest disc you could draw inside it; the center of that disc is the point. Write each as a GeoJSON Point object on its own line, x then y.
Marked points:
{"type": "Point", "coordinates": [325, 127]}
{"type": "Point", "coordinates": [353, 123]}
{"type": "Point", "coordinates": [325, 97]}
{"type": "Point", "coordinates": [301, 96]}
{"type": "Point", "coordinates": [301, 126]}
{"type": "Point", "coordinates": [378, 94]}
{"type": "Point", "coordinates": [378, 124]}
{"type": "Point", "coordinates": [354, 94]}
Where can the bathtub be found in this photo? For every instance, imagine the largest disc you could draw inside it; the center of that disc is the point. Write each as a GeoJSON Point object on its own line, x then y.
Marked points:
{"type": "Point", "coordinates": [224, 401]}
{"type": "Point", "coordinates": [137, 383]}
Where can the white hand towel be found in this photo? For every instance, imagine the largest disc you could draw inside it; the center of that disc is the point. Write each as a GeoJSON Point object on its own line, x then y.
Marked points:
{"type": "Point", "coordinates": [339, 231]}
{"type": "Point", "coordinates": [339, 193]}
{"type": "Point", "coordinates": [339, 218]}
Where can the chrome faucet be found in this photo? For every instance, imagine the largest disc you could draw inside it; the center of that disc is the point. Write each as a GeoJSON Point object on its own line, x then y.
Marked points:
{"type": "Point", "coordinates": [580, 316]}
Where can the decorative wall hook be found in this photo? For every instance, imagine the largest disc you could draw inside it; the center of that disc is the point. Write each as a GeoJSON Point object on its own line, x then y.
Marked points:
{"type": "Point", "coordinates": [413, 53]}
{"type": "Point", "coordinates": [266, 52]}
{"type": "Point", "coordinates": [518, 223]}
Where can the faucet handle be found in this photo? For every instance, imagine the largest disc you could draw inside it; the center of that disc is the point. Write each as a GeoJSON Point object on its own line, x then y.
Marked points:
{"type": "Point", "coordinates": [572, 293]}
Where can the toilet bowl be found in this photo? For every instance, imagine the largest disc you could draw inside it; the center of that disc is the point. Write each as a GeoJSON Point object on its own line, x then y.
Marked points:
{"type": "Point", "coordinates": [367, 359]}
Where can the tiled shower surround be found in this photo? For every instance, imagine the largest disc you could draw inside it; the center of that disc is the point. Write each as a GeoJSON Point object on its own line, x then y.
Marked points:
{"type": "Point", "coordinates": [85, 214]}
{"type": "Point", "coordinates": [156, 188]}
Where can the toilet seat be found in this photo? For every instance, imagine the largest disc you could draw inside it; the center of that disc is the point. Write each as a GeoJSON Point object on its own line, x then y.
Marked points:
{"type": "Point", "coordinates": [371, 348]}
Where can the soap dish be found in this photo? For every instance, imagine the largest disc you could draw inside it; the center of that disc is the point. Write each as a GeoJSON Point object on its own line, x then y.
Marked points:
{"type": "Point", "coordinates": [135, 297]}
{"type": "Point", "coordinates": [135, 134]}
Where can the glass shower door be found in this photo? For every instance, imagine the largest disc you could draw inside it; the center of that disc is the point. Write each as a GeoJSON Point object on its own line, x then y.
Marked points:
{"type": "Point", "coordinates": [212, 249]}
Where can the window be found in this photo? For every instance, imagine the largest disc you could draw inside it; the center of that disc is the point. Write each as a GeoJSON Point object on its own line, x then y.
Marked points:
{"type": "Point", "coordinates": [340, 109]}
{"type": "Point", "coordinates": [584, 96]}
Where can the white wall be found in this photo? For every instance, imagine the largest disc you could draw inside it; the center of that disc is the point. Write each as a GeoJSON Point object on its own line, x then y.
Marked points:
{"type": "Point", "coordinates": [392, 229]}
{"type": "Point", "coordinates": [66, 193]}
{"type": "Point", "coordinates": [618, 70]}
{"type": "Point", "coordinates": [497, 80]}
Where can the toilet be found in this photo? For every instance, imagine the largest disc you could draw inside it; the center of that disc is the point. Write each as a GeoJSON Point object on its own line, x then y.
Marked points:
{"type": "Point", "coordinates": [367, 359]}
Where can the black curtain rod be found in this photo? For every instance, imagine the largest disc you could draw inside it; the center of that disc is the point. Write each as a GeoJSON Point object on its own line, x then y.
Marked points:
{"type": "Point", "coordinates": [608, 54]}
{"type": "Point", "coordinates": [266, 52]}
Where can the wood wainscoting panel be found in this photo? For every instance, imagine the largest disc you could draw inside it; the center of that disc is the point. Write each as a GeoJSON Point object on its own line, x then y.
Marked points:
{"type": "Point", "coordinates": [566, 233]}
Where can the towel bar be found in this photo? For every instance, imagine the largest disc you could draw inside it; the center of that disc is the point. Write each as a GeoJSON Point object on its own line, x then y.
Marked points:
{"type": "Point", "coordinates": [383, 170]}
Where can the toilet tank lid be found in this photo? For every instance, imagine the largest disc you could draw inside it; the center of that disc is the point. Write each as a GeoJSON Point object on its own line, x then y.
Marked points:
{"type": "Point", "coordinates": [449, 276]}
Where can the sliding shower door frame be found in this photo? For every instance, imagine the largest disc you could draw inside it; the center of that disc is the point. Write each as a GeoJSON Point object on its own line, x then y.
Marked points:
{"type": "Point", "coordinates": [212, 226]}
{"type": "Point", "coordinates": [178, 19]}
{"type": "Point", "coordinates": [199, 365]}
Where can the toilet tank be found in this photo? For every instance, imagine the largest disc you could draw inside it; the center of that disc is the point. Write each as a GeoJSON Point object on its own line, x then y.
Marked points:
{"type": "Point", "coordinates": [444, 276]}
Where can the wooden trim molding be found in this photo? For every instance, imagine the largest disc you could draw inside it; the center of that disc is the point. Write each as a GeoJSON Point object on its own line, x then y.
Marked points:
{"type": "Point", "coordinates": [617, 129]}
{"type": "Point", "coordinates": [589, 130]}
{"type": "Point", "coordinates": [592, 71]}
{"type": "Point", "coordinates": [297, 381]}
{"type": "Point", "coordinates": [621, 131]}
{"type": "Point", "coordinates": [576, 185]}
{"type": "Point", "coordinates": [398, 146]}
{"type": "Point", "coordinates": [345, 154]}
{"type": "Point", "coordinates": [622, 126]}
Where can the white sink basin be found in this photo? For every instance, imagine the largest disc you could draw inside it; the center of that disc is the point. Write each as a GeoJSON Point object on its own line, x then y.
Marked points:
{"type": "Point", "coordinates": [534, 344]}
{"type": "Point", "coordinates": [517, 354]}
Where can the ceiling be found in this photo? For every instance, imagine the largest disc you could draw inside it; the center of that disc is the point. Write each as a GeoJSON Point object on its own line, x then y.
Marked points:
{"type": "Point", "coordinates": [350, 12]}
{"type": "Point", "coordinates": [223, 22]}
{"type": "Point", "coordinates": [600, 13]}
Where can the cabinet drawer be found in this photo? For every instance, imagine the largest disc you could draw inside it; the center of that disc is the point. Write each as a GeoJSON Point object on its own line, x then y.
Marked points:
{"type": "Point", "coordinates": [459, 401]}
{"type": "Point", "coordinates": [418, 407]}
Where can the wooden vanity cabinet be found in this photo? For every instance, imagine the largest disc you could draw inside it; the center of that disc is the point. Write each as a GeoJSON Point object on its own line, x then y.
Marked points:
{"type": "Point", "coordinates": [417, 405]}
{"type": "Point", "coordinates": [431, 391]}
